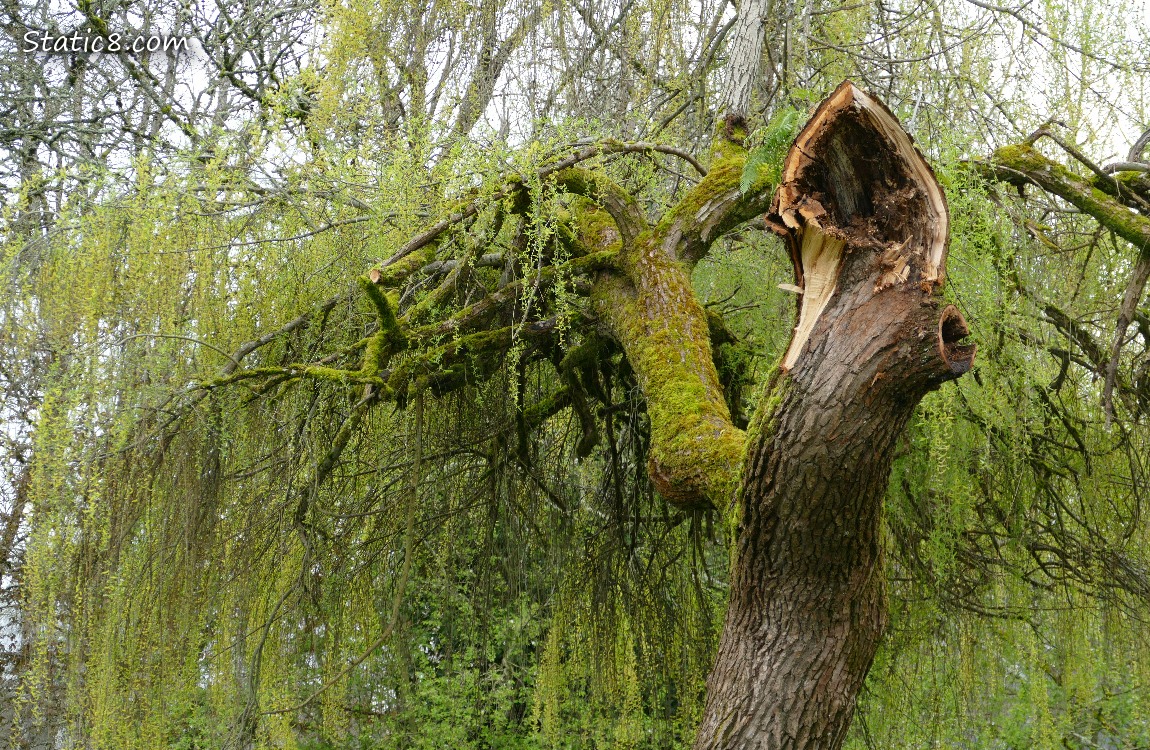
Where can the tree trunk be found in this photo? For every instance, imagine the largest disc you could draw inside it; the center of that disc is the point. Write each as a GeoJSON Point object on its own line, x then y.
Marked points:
{"type": "Point", "coordinates": [745, 55]}
{"type": "Point", "coordinates": [866, 224]}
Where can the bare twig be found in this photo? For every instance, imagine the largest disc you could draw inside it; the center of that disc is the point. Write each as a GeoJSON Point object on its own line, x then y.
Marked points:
{"type": "Point", "coordinates": [1130, 299]}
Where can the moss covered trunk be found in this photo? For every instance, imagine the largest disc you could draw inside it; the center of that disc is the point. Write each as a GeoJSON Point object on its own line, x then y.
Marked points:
{"type": "Point", "coordinates": [661, 325]}
{"type": "Point", "coordinates": [866, 224]}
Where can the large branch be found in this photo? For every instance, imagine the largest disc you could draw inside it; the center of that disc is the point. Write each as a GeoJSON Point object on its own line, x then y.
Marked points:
{"type": "Point", "coordinates": [650, 308]}
{"type": "Point", "coordinates": [516, 186]}
{"type": "Point", "coordinates": [624, 211]}
{"type": "Point", "coordinates": [640, 287]}
{"type": "Point", "coordinates": [1111, 200]}
{"type": "Point", "coordinates": [713, 207]}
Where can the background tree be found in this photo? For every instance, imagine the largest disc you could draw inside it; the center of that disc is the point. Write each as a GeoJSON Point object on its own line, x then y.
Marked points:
{"type": "Point", "coordinates": [191, 560]}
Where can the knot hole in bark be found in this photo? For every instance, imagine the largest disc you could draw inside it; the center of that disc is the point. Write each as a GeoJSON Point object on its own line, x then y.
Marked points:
{"type": "Point", "coordinates": [735, 128]}
{"type": "Point", "coordinates": [952, 328]}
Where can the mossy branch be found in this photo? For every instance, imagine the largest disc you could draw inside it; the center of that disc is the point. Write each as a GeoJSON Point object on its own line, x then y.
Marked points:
{"type": "Point", "coordinates": [1022, 163]}
{"type": "Point", "coordinates": [651, 309]}
{"type": "Point", "coordinates": [614, 199]}
{"type": "Point", "coordinates": [402, 270]}
{"type": "Point", "coordinates": [1130, 183]}
{"type": "Point", "coordinates": [467, 359]}
{"type": "Point", "coordinates": [478, 314]}
{"type": "Point", "coordinates": [377, 351]}
{"type": "Point", "coordinates": [390, 333]}
{"type": "Point", "coordinates": [448, 286]}
{"type": "Point", "coordinates": [713, 207]}
{"type": "Point", "coordinates": [515, 186]}
{"type": "Point", "coordinates": [696, 451]}
{"type": "Point", "coordinates": [1108, 200]}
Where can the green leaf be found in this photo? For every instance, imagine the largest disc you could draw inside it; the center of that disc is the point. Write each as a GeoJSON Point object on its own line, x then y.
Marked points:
{"type": "Point", "coordinates": [755, 161]}
{"type": "Point", "coordinates": [779, 135]}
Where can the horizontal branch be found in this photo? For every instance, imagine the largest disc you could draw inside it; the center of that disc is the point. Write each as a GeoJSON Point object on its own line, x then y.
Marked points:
{"type": "Point", "coordinates": [515, 185]}
{"type": "Point", "coordinates": [1023, 163]}
{"type": "Point", "coordinates": [463, 360]}
{"type": "Point", "coordinates": [1126, 166]}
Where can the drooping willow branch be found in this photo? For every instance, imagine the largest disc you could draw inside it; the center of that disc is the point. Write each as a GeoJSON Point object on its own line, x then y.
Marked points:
{"type": "Point", "coordinates": [517, 185]}
{"type": "Point", "coordinates": [192, 339]}
{"type": "Point", "coordinates": [442, 366]}
{"type": "Point", "coordinates": [596, 245]}
{"type": "Point", "coordinates": [405, 572]}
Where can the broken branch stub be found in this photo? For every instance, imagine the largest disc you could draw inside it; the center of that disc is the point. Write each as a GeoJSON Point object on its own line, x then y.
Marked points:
{"type": "Point", "coordinates": [853, 183]}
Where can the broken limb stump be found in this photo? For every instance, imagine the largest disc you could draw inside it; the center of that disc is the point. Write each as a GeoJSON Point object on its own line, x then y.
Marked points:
{"type": "Point", "coordinates": [866, 225]}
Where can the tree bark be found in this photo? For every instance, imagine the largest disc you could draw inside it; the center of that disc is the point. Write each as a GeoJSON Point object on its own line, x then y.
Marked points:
{"type": "Point", "coordinates": [866, 224]}
{"type": "Point", "coordinates": [744, 57]}
{"type": "Point", "coordinates": [648, 305]}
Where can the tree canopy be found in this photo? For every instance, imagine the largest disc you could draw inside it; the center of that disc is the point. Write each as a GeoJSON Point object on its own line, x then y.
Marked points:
{"type": "Point", "coordinates": [324, 427]}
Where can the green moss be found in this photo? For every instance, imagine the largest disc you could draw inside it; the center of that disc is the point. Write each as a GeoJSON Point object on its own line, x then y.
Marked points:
{"type": "Point", "coordinates": [1134, 180]}
{"type": "Point", "coordinates": [586, 354]}
{"type": "Point", "coordinates": [448, 365]}
{"type": "Point", "coordinates": [693, 442]}
{"type": "Point", "coordinates": [724, 175]}
{"type": "Point", "coordinates": [375, 355]}
{"type": "Point", "coordinates": [541, 411]}
{"type": "Point", "coordinates": [1057, 179]}
{"type": "Point", "coordinates": [594, 226]}
{"type": "Point", "coordinates": [390, 332]}
{"type": "Point", "coordinates": [338, 375]}
{"type": "Point", "coordinates": [377, 352]}
{"type": "Point", "coordinates": [1021, 155]}
{"type": "Point", "coordinates": [694, 445]}
{"type": "Point", "coordinates": [381, 346]}
{"type": "Point", "coordinates": [397, 273]}
{"type": "Point", "coordinates": [601, 189]}
{"type": "Point", "coordinates": [729, 140]}
{"type": "Point", "coordinates": [765, 183]}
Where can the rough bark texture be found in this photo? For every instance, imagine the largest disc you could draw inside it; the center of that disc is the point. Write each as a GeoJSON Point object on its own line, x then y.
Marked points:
{"type": "Point", "coordinates": [866, 223]}
{"type": "Point", "coordinates": [808, 604]}
{"type": "Point", "coordinates": [745, 50]}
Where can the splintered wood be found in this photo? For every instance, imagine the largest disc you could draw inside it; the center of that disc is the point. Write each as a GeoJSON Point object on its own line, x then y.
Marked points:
{"type": "Point", "coordinates": [854, 182]}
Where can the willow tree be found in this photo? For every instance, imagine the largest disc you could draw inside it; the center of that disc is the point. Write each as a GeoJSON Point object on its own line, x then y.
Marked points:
{"type": "Point", "coordinates": [345, 399]}
{"type": "Point", "coordinates": [866, 225]}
